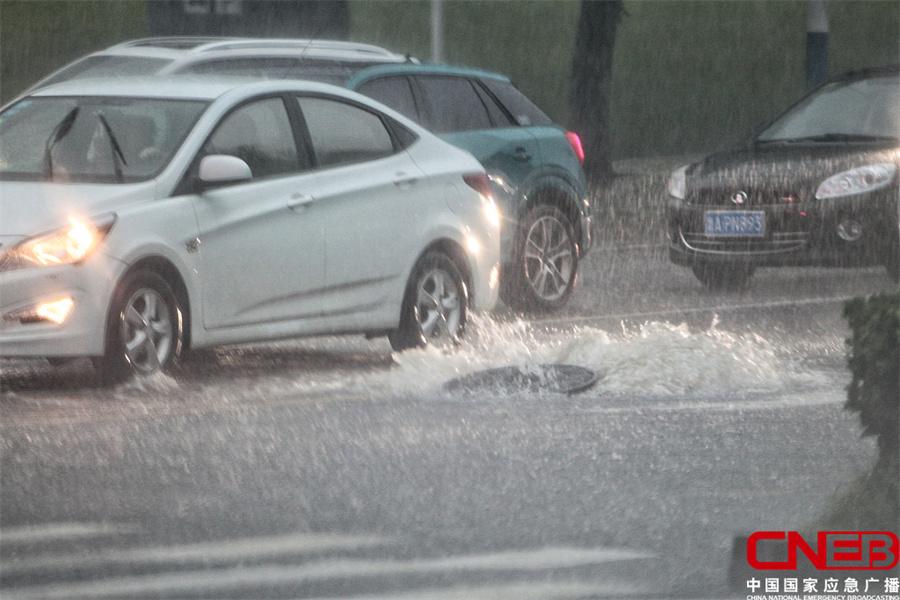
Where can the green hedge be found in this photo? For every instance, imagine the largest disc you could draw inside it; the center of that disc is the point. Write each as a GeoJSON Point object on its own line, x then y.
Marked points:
{"type": "Point", "coordinates": [872, 501]}
{"type": "Point", "coordinates": [874, 391]}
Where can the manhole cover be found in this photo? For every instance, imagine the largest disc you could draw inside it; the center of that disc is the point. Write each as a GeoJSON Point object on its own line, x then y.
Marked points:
{"type": "Point", "coordinates": [558, 379]}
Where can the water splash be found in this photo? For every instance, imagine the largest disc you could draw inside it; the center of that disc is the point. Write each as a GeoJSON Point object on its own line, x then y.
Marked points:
{"type": "Point", "coordinates": [157, 383]}
{"type": "Point", "coordinates": [657, 359]}
{"type": "Point", "coordinates": [663, 359]}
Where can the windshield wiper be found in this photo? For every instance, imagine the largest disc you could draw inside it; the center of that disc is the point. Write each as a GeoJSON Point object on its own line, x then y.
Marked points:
{"type": "Point", "coordinates": [117, 154]}
{"type": "Point", "coordinates": [61, 130]}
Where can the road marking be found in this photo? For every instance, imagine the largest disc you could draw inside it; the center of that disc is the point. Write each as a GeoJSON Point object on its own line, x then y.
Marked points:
{"type": "Point", "coordinates": [208, 581]}
{"type": "Point", "coordinates": [525, 590]}
{"type": "Point", "coordinates": [690, 310]}
{"type": "Point", "coordinates": [30, 534]}
{"type": "Point", "coordinates": [812, 399]}
{"type": "Point", "coordinates": [207, 552]}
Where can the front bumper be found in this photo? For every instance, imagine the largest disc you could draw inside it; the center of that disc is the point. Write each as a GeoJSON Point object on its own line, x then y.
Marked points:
{"type": "Point", "coordinates": [841, 232]}
{"type": "Point", "coordinates": [89, 285]}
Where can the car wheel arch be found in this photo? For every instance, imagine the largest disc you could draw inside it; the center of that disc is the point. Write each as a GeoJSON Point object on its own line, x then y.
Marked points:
{"type": "Point", "coordinates": [450, 248]}
{"type": "Point", "coordinates": [170, 273]}
{"type": "Point", "coordinates": [442, 261]}
{"type": "Point", "coordinates": [559, 194]}
{"type": "Point", "coordinates": [456, 253]}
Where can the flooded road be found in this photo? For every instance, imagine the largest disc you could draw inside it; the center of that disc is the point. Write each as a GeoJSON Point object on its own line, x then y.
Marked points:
{"type": "Point", "coordinates": [332, 468]}
{"type": "Point", "coordinates": [648, 327]}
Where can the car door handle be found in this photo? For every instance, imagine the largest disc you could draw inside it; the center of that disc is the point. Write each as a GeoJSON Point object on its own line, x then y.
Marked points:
{"type": "Point", "coordinates": [298, 201]}
{"type": "Point", "coordinates": [403, 180]}
{"type": "Point", "coordinates": [522, 155]}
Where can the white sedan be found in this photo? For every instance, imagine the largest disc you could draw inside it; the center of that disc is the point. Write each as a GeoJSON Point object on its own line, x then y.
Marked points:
{"type": "Point", "coordinates": [140, 218]}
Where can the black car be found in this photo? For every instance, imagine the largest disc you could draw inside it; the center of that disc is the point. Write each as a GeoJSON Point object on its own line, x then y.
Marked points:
{"type": "Point", "coordinates": [817, 186]}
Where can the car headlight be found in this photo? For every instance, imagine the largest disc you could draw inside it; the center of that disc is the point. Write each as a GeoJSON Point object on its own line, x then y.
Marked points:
{"type": "Point", "coordinates": [678, 183]}
{"type": "Point", "coordinates": [68, 245]}
{"type": "Point", "coordinates": [857, 181]}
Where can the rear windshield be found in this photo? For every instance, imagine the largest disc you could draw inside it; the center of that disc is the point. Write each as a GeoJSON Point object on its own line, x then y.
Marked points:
{"type": "Point", "coordinates": [108, 66]}
{"type": "Point", "coordinates": [92, 139]}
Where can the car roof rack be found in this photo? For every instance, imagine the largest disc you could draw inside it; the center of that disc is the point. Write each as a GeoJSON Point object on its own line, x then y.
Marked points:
{"type": "Point", "coordinates": [196, 45]}
{"type": "Point", "coordinates": [171, 43]}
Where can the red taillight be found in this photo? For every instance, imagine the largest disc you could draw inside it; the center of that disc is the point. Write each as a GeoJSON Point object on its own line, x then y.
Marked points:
{"type": "Point", "coordinates": [479, 182]}
{"type": "Point", "coordinates": [575, 142]}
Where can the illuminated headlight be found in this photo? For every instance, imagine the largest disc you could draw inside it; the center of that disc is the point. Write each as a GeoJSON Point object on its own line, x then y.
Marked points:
{"type": "Point", "coordinates": [64, 246]}
{"type": "Point", "coordinates": [857, 181]}
{"type": "Point", "coordinates": [678, 183]}
{"type": "Point", "coordinates": [56, 312]}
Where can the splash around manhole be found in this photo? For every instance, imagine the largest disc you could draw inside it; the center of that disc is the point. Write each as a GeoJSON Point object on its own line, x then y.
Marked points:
{"type": "Point", "coordinates": [557, 379]}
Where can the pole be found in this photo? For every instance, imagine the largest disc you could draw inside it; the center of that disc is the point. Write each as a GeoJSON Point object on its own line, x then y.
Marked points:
{"type": "Point", "coordinates": [816, 42]}
{"type": "Point", "coordinates": [437, 30]}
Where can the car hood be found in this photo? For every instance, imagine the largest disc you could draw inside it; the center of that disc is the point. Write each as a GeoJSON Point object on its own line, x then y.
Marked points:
{"type": "Point", "coordinates": [794, 167]}
{"type": "Point", "coordinates": [30, 208]}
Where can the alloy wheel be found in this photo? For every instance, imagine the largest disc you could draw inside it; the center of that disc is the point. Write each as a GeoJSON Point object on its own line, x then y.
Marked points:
{"type": "Point", "coordinates": [549, 258]}
{"type": "Point", "coordinates": [438, 307]}
{"type": "Point", "coordinates": [148, 330]}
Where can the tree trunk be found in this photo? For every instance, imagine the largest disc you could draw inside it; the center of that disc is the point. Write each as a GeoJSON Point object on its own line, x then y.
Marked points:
{"type": "Point", "coordinates": [589, 98]}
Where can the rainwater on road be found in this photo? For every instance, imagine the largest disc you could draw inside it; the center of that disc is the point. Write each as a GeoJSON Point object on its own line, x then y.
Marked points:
{"type": "Point", "coordinates": [330, 467]}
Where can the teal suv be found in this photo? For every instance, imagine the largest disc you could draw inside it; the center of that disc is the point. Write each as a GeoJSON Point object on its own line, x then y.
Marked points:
{"type": "Point", "coordinates": [533, 164]}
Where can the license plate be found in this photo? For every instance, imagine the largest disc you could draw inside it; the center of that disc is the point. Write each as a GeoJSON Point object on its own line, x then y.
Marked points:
{"type": "Point", "coordinates": [736, 223]}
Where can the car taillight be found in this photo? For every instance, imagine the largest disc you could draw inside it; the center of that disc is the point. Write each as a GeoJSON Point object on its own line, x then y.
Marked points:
{"type": "Point", "coordinates": [479, 182]}
{"type": "Point", "coordinates": [575, 142]}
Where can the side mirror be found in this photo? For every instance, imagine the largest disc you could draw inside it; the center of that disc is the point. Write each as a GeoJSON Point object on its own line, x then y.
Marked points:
{"type": "Point", "coordinates": [221, 169]}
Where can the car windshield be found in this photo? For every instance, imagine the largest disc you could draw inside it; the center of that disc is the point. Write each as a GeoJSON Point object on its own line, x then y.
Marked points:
{"type": "Point", "coordinates": [855, 110]}
{"type": "Point", "coordinates": [108, 66]}
{"type": "Point", "coordinates": [92, 139]}
{"type": "Point", "coordinates": [335, 72]}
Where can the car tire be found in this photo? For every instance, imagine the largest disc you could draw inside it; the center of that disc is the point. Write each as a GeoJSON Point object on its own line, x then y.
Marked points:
{"type": "Point", "coordinates": [144, 331]}
{"type": "Point", "coordinates": [545, 262]}
{"type": "Point", "coordinates": [723, 277]}
{"type": "Point", "coordinates": [435, 305]}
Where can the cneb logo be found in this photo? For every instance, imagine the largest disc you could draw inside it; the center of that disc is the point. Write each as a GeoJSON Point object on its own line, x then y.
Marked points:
{"type": "Point", "coordinates": [835, 550]}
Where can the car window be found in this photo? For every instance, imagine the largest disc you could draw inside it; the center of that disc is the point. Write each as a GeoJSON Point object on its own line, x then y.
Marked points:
{"type": "Point", "coordinates": [257, 66]}
{"type": "Point", "coordinates": [259, 133]}
{"type": "Point", "coordinates": [452, 105]}
{"type": "Point", "coordinates": [273, 67]}
{"type": "Point", "coordinates": [405, 138]}
{"type": "Point", "coordinates": [394, 92]}
{"type": "Point", "coordinates": [342, 133]}
{"type": "Point", "coordinates": [523, 110]}
{"type": "Point", "coordinates": [499, 116]}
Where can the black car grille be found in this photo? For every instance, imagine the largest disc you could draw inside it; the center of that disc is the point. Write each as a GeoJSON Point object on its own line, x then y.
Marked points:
{"type": "Point", "coordinates": [740, 198]}
{"type": "Point", "coordinates": [773, 243]}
